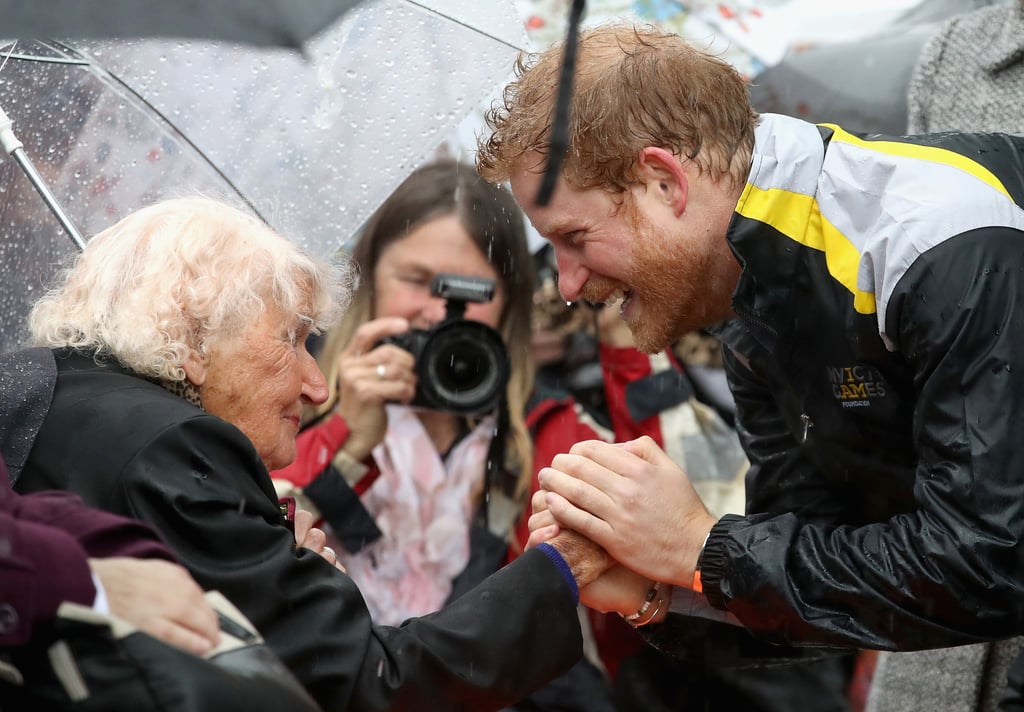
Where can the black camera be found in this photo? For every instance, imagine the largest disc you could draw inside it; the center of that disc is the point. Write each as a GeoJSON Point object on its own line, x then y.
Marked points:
{"type": "Point", "coordinates": [462, 365]}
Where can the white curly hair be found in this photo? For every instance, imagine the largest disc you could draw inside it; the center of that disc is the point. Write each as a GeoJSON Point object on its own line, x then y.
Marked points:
{"type": "Point", "coordinates": [179, 275]}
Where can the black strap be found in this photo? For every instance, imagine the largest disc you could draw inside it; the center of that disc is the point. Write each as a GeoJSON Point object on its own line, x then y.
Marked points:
{"type": "Point", "coordinates": [560, 123]}
{"type": "Point", "coordinates": [495, 458]}
{"type": "Point", "coordinates": [343, 509]}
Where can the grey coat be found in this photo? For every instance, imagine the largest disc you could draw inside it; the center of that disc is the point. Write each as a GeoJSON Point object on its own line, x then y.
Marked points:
{"type": "Point", "coordinates": [970, 75]}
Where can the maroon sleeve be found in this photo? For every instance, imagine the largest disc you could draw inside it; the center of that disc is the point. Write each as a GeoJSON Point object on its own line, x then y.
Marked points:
{"type": "Point", "coordinates": [40, 567]}
{"type": "Point", "coordinates": [46, 540]}
{"type": "Point", "coordinates": [101, 534]}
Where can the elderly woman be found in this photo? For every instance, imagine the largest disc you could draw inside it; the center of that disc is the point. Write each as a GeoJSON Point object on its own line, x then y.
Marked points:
{"type": "Point", "coordinates": [181, 371]}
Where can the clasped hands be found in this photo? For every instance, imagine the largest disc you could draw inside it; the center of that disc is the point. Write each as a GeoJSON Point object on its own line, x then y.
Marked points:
{"type": "Point", "coordinates": [637, 504]}
{"type": "Point", "coordinates": [313, 538]}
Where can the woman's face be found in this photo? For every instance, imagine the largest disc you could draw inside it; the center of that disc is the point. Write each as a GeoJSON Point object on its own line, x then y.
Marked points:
{"type": "Point", "coordinates": [406, 267]}
{"type": "Point", "coordinates": [260, 380]}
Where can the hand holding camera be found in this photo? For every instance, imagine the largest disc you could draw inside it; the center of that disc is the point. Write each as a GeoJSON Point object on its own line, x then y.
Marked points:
{"type": "Point", "coordinates": [462, 365]}
{"type": "Point", "coordinates": [370, 376]}
{"type": "Point", "coordinates": [458, 365]}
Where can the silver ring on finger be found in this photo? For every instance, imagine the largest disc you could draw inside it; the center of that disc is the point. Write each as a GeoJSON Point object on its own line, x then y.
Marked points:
{"type": "Point", "coordinates": [382, 371]}
{"type": "Point", "coordinates": [334, 555]}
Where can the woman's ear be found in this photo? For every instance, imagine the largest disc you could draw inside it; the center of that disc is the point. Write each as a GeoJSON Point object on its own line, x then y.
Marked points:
{"type": "Point", "coordinates": [660, 171]}
{"type": "Point", "coordinates": [195, 367]}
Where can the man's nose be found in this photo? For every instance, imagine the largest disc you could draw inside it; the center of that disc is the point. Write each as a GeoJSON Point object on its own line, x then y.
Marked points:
{"type": "Point", "coordinates": [572, 275]}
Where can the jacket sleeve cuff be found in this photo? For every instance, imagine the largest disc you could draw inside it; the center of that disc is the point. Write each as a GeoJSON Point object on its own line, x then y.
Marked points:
{"type": "Point", "coordinates": [349, 468]}
{"type": "Point", "coordinates": [563, 567]}
{"type": "Point", "coordinates": [713, 562]}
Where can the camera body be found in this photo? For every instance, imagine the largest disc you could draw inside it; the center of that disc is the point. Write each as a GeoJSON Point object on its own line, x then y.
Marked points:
{"type": "Point", "coordinates": [462, 365]}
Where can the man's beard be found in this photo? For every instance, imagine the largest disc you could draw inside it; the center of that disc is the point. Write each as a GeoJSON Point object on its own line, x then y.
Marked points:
{"type": "Point", "coordinates": [666, 281]}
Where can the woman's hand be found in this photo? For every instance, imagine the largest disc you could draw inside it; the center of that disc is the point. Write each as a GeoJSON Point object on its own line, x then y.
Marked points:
{"type": "Point", "coordinates": [315, 539]}
{"type": "Point", "coordinates": [369, 376]}
{"type": "Point", "coordinates": [161, 599]}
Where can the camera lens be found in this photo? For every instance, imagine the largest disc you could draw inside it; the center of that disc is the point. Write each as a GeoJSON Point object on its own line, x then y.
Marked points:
{"type": "Point", "coordinates": [461, 366]}
{"type": "Point", "coordinates": [465, 367]}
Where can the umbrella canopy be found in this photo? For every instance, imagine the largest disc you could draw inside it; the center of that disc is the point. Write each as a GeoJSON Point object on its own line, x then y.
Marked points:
{"type": "Point", "coordinates": [79, 124]}
{"type": "Point", "coordinates": [314, 145]}
{"type": "Point", "coordinates": [287, 23]}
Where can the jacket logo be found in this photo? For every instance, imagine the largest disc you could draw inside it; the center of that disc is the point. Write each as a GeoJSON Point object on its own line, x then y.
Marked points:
{"type": "Point", "coordinates": [856, 386]}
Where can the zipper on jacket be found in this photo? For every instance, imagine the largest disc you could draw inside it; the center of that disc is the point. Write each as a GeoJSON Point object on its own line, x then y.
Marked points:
{"type": "Point", "coordinates": [808, 424]}
{"type": "Point", "coordinates": [762, 332]}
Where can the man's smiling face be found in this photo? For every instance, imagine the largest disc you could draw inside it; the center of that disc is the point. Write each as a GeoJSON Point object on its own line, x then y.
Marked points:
{"type": "Point", "coordinates": [626, 246]}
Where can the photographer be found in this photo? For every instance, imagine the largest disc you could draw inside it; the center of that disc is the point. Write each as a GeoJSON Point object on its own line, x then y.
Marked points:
{"type": "Point", "coordinates": [401, 488]}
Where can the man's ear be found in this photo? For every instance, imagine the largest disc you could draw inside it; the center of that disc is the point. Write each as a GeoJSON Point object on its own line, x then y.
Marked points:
{"type": "Point", "coordinates": [195, 367]}
{"type": "Point", "coordinates": [663, 174]}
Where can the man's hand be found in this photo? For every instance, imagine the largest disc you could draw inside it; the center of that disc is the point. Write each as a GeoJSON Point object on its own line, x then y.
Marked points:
{"type": "Point", "coordinates": [621, 590]}
{"type": "Point", "coordinates": [161, 599]}
{"type": "Point", "coordinates": [634, 501]}
{"type": "Point", "coordinates": [309, 537]}
{"type": "Point", "coordinates": [617, 590]}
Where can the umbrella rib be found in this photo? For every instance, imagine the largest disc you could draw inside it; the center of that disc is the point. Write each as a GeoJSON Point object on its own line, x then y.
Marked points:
{"type": "Point", "coordinates": [180, 135]}
{"type": "Point", "coordinates": [457, 21]}
{"type": "Point", "coordinates": [48, 60]}
{"type": "Point", "coordinates": [35, 58]}
{"type": "Point", "coordinates": [8, 55]}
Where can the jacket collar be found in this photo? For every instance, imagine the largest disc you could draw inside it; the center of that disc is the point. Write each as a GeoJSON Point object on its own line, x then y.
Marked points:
{"type": "Point", "coordinates": [27, 381]}
{"type": "Point", "coordinates": [787, 159]}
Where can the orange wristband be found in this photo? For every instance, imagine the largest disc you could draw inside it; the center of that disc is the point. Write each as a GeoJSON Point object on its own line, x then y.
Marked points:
{"type": "Point", "coordinates": [697, 585]}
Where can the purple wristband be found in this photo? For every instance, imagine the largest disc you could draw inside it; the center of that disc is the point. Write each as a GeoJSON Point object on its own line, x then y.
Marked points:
{"type": "Point", "coordinates": [560, 563]}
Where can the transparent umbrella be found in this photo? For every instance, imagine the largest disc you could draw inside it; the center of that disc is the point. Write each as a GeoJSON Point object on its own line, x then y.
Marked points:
{"type": "Point", "coordinates": [311, 144]}
{"type": "Point", "coordinates": [318, 145]}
